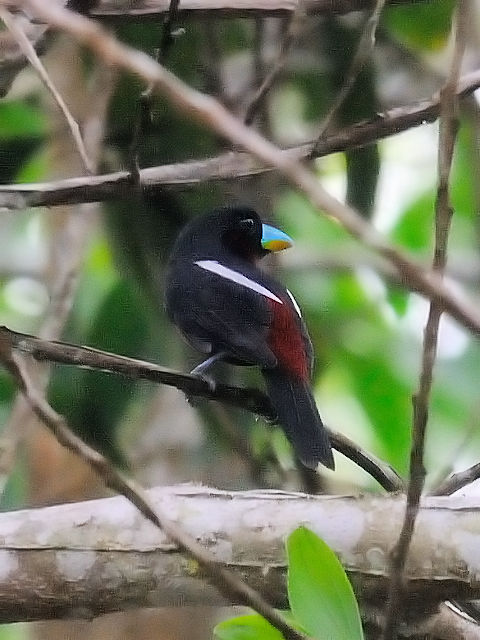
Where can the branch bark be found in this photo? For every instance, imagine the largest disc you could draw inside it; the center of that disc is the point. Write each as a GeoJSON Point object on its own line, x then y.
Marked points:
{"type": "Point", "coordinates": [104, 556]}
{"type": "Point", "coordinates": [227, 166]}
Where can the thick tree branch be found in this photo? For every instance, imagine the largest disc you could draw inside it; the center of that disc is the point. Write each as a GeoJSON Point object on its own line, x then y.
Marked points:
{"type": "Point", "coordinates": [104, 556]}
{"type": "Point", "coordinates": [245, 398]}
{"type": "Point", "coordinates": [227, 166]}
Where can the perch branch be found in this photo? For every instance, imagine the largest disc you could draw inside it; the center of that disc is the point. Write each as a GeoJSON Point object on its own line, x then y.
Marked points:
{"type": "Point", "coordinates": [231, 8]}
{"type": "Point", "coordinates": [249, 399]}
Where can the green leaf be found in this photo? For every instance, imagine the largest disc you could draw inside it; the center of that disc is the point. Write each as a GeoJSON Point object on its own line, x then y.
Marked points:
{"type": "Point", "coordinates": [251, 627]}
{"type": "Point", "coordinates": [321, 596]}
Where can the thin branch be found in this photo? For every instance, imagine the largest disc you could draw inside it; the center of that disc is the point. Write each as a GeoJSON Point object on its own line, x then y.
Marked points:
{"type": "Point", "coordinates": [362, 54]}
{"type": "Point", "coordinates": [421, 400]}
{"type": "Point", "coordinates": [228, 166]}
{"type": "Point", "coordinates": [457, 481]}
{"type": "Point", "coordinates": [14, 26]}
{"type": "Point", "coordinates": [68, 244]}
{"type": "Point", "coordinates": [207, 111]}
{"type": "Point", "coordinates": [447, 471]}
{"type": "Point", "coordinates": [248, 399]}
{"type": "Point", "coordinates": [291, 36]}
{"type": "Point", "coordinates": [144, 105]}
{"type": "Point", "coordinates": [224, 579]}
{"type": "Point", "coordinates": [231, 9]}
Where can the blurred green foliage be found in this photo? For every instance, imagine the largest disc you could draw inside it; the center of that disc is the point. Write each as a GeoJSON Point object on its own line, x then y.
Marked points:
{"type": "Point", "coordinates": [422, 26]}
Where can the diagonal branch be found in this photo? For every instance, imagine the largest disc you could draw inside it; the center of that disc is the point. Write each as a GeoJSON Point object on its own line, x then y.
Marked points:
{"type": "Point", "coordinates": [456, 481]}
{"type": "Point", "coordinates": [28, 49]}
{"type": "Point", "coordinates": [421, 400]}
{"type": "Point", "coordinates": [224, 579]}
{"type": "Point", "coordinates": [248, 399]}
{"type": "Point", "coordinates": [227, 166]}
{"type": "Point", "coordinates": [292, 34]}
{"type": "Point", "coordinates": [363, 52]}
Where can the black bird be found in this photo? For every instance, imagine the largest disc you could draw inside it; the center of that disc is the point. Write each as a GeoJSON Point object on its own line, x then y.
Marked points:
{"type": "Point", "coordinates": [228, 309]}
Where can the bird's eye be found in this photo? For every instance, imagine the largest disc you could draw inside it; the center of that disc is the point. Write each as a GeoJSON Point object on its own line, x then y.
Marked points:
{"type": "Point", "coordinates": [248, 224]}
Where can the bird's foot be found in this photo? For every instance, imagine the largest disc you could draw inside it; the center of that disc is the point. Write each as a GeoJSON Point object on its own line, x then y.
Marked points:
{"type": "Point", "coordinates": [195, 400]}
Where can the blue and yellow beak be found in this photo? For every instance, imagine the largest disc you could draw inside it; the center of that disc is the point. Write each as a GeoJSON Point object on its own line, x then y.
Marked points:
{"type": "Point", "coordinates": [275, 240]}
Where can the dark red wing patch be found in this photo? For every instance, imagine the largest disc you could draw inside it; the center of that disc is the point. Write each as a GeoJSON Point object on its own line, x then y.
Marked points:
{"type": "Point", "coordinates": [286, 341]}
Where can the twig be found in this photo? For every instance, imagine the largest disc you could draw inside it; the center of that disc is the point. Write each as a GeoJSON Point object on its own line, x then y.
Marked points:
{"type": "Point", "coordinates": [363, 52]}
{"type": "Point", "coordinates": [67, 247]}
{"type": "Point", "coordinates": [292, 33]}
{"type": "Point", "coordinates": [19, 34]}
{"type": "Point", "coordinates": [144, 105]}
{"type": "Point", "coordinates": [208, 111]}
{"type": "Point", "coordinates": [248, 399]}
{"type": "Point", "coordinates": [225, 580]}
{"type": "Point", "coordinates": [457, 481]}
{"type": "Point", "coordinates": [447, 471]}
{"type": "Point", "coordinates": [443, 216]}
{"type": "Point", "coordinates": [227, 166]}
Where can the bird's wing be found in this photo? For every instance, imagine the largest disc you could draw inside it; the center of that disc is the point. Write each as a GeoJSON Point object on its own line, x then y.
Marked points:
{"type": "Point", "coordinates": [224, 308]}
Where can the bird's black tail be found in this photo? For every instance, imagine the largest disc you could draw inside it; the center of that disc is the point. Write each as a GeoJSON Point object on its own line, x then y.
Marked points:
{"type": "Point", "coordinates": [298, 415]}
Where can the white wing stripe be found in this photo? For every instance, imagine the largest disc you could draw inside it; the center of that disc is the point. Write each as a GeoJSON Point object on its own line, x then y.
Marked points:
{"type": "Point", "coordinates": [295, 304]}
{"type": "Point", "coordinates": [234, 276]}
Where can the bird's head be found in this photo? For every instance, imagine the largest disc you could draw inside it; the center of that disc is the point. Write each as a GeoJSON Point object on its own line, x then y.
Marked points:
{"type": "Point", "coordinates": [238, 231]}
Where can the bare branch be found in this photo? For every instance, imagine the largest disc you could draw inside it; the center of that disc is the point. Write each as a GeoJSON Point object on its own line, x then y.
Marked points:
{"type": "Point", "coordinates": [291, 35]}
{"type": "Point", "coordinates": [77, 553]}
{"type": "Point", "coordinates": [364, 50]}
{"type": "Point", "coordinates": [15, 28]}
{"type": "Point", "coordinates": [68, 241]}
{"type": "Point", "coordinates": [457, 481]}
{"type": "Point", "coordinates": [249, 399]}
{"type": "Point", "coordinates": [228, 166]}
{"type": "Point", "coordinates": [421, 400]}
